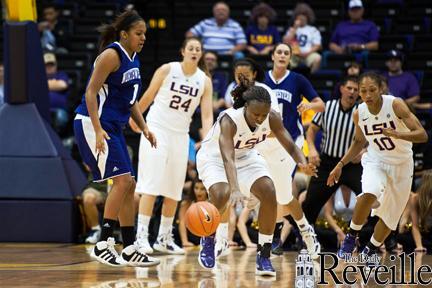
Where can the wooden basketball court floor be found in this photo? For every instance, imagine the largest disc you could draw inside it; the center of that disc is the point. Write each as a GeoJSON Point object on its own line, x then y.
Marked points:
{"type": "Point", "coordinates": [69, 265]}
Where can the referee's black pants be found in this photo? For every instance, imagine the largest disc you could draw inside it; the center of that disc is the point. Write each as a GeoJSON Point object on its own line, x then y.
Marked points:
{"type": "Point", "coordinates": [318, 192]}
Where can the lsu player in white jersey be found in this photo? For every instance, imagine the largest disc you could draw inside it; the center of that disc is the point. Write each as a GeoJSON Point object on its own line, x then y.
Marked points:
{"type": "Point", "coordinates": [248, 68]}
{"type": "Point", "coordinates": [230, 166]}
{"type": "Point", "coordinates": [388, 126]}
{"type": "Point", "coordinates": [177, 89]}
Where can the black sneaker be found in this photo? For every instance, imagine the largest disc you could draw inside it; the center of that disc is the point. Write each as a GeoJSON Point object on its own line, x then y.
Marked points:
{"type": "Point", "coordinates": [132, 255]}
{"type": "Point", "coordinates": [105, 253]}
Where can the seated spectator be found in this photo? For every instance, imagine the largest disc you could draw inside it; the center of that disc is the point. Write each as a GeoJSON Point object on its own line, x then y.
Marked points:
{"type": "Point", "coordinates": [354, 69]}
{"type": "Point", "coordinates": [197, 193]}
{"type": "Point", "coordinates": [221, 34]}
{"type": "Point", "coordinates": [306, 37]}
{"type": "Point", "coordinates": [401, 84]}
{"type": "Point", "coordinates": [57, 91]}
{"type": "Point", "coordinates": [356, 34]}
{"type": "Point", "coordinates": [219, 80]}
{"type": "Point", "coordinates": [55, 33]}
{"type": "Point", "coordinates": [261, 34]}
{"type": "Point", "coordinates": [1, 84]}
{"type": "Point", "coordinates": [421, 214]}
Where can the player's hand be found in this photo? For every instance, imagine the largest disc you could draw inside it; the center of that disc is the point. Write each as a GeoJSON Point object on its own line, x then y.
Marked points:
{"type": "Point", "coordinates": [134, 126]}
{"type": "Point", "coordinates": [389, 132]}
{"type": "Point", "coordinates": [236, 196]}
{"type": "Point", "coordinates": [314, 157]}
{"type": "Point", "coordinates": [150, 137]}
{"type": "Point", "coordinates": [309, 169]}
{"type": "Point", "coordinates": [334, 175]}
{"type": "Point", "coordinates": [302, 107]}
{"type": "Point", "coordinates": [101, 136]}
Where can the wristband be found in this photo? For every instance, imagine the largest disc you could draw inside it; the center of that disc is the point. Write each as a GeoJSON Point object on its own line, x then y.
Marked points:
{"type": "Point", "coordinates": [343, 164]}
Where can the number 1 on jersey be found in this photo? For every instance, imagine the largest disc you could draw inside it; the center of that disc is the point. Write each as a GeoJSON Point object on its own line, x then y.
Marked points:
{"type": "Point", "coordinates": [136, 86]}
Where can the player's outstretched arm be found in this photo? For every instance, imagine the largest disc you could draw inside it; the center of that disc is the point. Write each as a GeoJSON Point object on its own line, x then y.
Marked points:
{"type": "Point", "coordinates": [149, 95]}
{"type": "Point", "coordinates": [356, 147]}
{"type": "Point", "coordinates": [226, 146]}
{"type": "Point", "coordinates": [417, 133]}
{"type": "Point", "coordinates": [138, 118]}
{"type": "Point", "coordinates": [207, 107]}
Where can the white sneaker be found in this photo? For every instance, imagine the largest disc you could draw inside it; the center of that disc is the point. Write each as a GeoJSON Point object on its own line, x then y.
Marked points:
{"type": "Point", "coordinates": [93, 236]}
{"type": "Point", "coordinates": [311, 241]}
{"type": "Point", "coordinates": [221, 247]}
{"type": "Point", "coordinates": [105, 253]}
{"type": "Point", "coordinates": [132, 255]}
{"type": "Point", "coordinates": [144, 245]}
{"type": "Point", "coordinates": [165, 244]}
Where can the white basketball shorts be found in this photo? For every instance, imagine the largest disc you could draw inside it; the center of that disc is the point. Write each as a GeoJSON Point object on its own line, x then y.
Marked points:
{"type": "Point", "coordinates": [391, 184]}
{"type": "Point", "coordinates": [162, 170]}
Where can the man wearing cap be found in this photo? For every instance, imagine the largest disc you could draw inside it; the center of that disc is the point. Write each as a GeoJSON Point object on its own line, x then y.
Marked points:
{"type": "Point", "coordinates": [356, 34]}
{"type": "Point", "coordinates": [57, 90]}
{"type": "Point", "coordinates": [401, 84]}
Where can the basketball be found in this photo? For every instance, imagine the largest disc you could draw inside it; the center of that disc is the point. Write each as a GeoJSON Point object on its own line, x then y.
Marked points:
{"type": "Point", "coordinates": [202, 218]}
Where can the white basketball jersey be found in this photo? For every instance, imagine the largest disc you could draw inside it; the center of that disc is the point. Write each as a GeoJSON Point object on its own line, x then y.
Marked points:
{"type": "Point", "coordinates": [177, 99]}
{"type": "Point", "coordinates": [245, 139]}
{"type": "Point", "coordinates": [385, 149]}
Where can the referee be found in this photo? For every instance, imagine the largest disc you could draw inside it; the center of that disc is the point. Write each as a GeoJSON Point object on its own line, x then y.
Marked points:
{"type": "Point", "coordinates": [338, 132]}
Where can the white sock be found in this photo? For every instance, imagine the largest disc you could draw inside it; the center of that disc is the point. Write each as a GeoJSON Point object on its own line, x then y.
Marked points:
{"type": "Point", "coordinates": [375, 242]}
{"type": "Point", "coordinates": [97, 227]}
{"type": "Point", "coordinates": [143, 224]}
{"type": "Point", "coordinates": [303, 224]}
{"type": "Point", "coordinates": [165, 225]}
{"type": "Point", "coordinates": [222, 231]}
{"type": "Point", "coordinates": [262, 239]}
{"type": "Point", "coordinates": [355, 226]}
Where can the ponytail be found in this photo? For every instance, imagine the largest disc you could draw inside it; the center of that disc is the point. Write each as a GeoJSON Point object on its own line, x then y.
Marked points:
{"type": "Point", "coordinates": [108, 35]}
{"type": "Point", "coordinates": [111, 32]}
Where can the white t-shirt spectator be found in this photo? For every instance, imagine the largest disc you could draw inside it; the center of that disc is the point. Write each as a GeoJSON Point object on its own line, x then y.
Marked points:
{"type": "Point", "coordinates": [307, 37]}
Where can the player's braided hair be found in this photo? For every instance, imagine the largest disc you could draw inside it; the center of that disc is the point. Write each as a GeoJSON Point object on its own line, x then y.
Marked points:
{"type": "Point", "coordinates": [245, 93]}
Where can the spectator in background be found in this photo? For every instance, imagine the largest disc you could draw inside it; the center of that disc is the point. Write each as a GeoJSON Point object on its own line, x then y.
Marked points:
{"type": "Point", "coordinates": [1, 84]}
{"type": "Point", "coordinates": [57, 91]}
{"type": "Point", "coordinates": [55, 33]}
{"type": "Point", "coordinates": [421, 214]}
{"type": "Point", "coordinates": [196, 193]}
{"type": "Point", "coordinates": [221, 34]}
{"type": "Point", "coordinates": [355, 35]}
{"type": "Point", "coordinates": [304, 36]}
{"type": "Point", "coordinates": [354, 69]}
{"type": "Point", "coordinates": [401, 84]}
{"type": "Point", "coordinates": [219, 81]}
{"type": "Point", "coordinates": [261, 34]}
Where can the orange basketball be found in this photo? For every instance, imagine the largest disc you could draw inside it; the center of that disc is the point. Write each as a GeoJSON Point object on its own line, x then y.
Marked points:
{"type": "Point", "coordinates": [202, 218]}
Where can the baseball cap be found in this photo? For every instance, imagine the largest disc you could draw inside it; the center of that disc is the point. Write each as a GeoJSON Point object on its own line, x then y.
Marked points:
{"type": "Point", "coordinates": [395, 54]}
{"type": "Point", "coordinates": [50, 58]}
{"type": "Point", "coordinates": [355, 4]}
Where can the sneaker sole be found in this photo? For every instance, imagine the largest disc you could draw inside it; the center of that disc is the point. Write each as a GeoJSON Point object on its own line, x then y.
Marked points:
{"type": "Point", "coordinates": [265, 273]}
{"type": "Point", "coordinates": [139, 264]}
{"type": "Point", "coordinates": [203, 266]}
{"type": "Point", "coordinates": [100, 260]}
{"type": "Point", "coordinates": [161, 249]}
{"type": "Point", "coordinates": [223, 254]}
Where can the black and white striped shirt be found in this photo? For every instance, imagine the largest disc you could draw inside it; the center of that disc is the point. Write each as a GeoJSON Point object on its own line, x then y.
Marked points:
{"type": "Point", "coordinates": [337, 126]}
